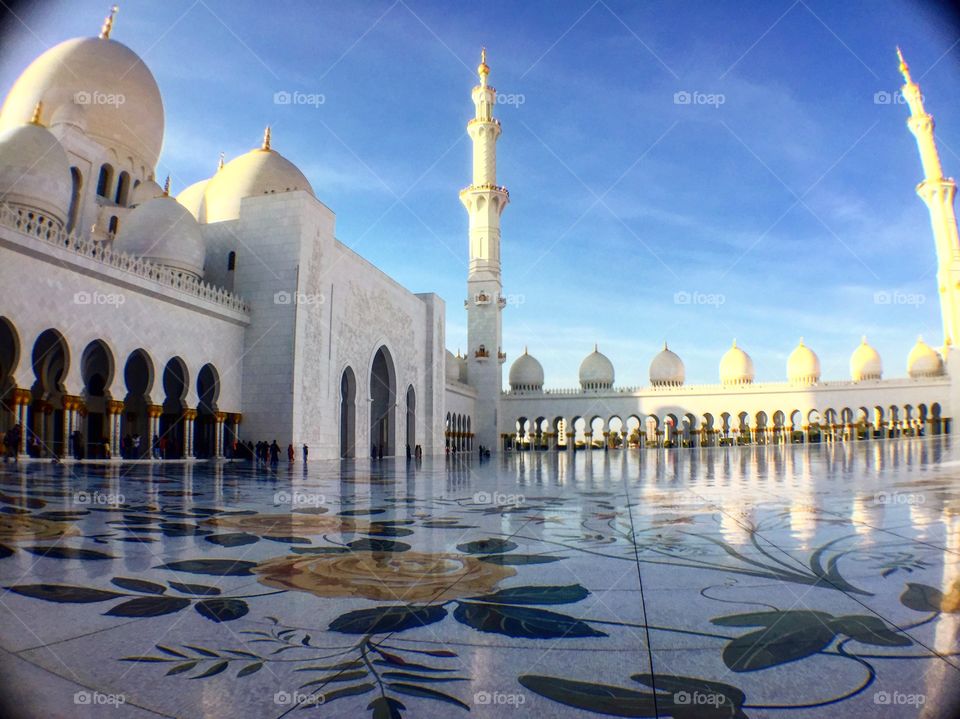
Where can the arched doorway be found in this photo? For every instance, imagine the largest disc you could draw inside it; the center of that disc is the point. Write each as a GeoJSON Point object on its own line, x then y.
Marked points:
{"type": "Point", "coordinates": [9, 358]}
{"type": "Point", "coordinates": [348, 414]}
{"type": "Point", "coordinates": [411, 418]}
{"type": "Point", "coordinates": [51, 359]}
{"type": "Point", "coordinates": [96, 370]}
{"type": "Point", "coordinates": [383, 395]}
{"type": "Point", "coordinates": [172, 425]}
{"type": "Point", "coordinates": [138, 379]}
{"type": "Point", "coordinates": [205, 425]}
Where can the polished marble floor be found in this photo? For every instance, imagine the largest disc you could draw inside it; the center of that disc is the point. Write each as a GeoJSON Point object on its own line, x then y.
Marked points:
{"type": "Point", "coordinates": [801, 582]}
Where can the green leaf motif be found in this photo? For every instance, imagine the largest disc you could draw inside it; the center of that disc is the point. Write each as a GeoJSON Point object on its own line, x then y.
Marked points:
{"type": "Point", "coordinates": [148, 607]}
{"type": "Point", "coordinates": [138, 585]}
{"type": "Point", "coordinates": [213, 671]}
{"type": "Point", "coordinates": [425, 693]}
{"type": "Point", "coordinates": [214, 567]}
{"type": "Point", "coordinates": [567, 594]}
{"type": "Point", "coordinates": [238, 539]}
{"type": "Point", "coordinates": [678, 696]}
{"type": "Point", "coordinates": [386, 708]}
{"type": "Point", "coordinates": [372, 544]}
{"type": "Point", "coordinates": [250, 669]}
{"type": "Point", "coordinates": [513, 560]}
{"type": "Point", "coordinates": [869, 629]}
{"type": "Point", "coordinates": [68, 553]}
{"type": "Point", "coordinates": [64, 593]}
{"type": "Point", "coordinates": [222, 610]}
{"type": "Point", "coordinates": [598, 698]}
{"type": "Point", "coordinates": [781, 643]}
{"type": "Point", "coordinates": [197, 590]}
{"type": "Point", "coordinates": [487, 546]}
{"type": "Point", "coordinates": [340, 677]}
{"type": "Point", "coordinates": [923, 598]}
{"type": "Point", "coordinates": [522, 622]}
{"type": "Point", "coordinates": [387, 619]}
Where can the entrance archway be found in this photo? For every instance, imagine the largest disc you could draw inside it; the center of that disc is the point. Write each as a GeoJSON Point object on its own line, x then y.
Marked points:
{"type": "Point", "coordinates": [383, 395]}
{"type": "Point", "coordinates": [96, 370]}
{"type": "Point", "coordinates": [205, 425]}
{"type": "Point", "coordinates": [348, 414]}
{"type": "Point", "coordinates": [9, 358]}
{"type": "Point", "coordinates": [175, 383]}
{"type": "Point", "coordinates": [138, 379]}
{"type": "Point", "coordinates": [51, 359]}
{"type": "Point", "coordinates": [411, 418]}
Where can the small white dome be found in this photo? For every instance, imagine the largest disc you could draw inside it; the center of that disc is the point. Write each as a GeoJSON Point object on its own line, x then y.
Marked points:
{"type": "Point", "coordinates": [596, 371]}
{"type": "Point", "coordinates": [162, 231]}
{"type": "Point", "coordinates": [35, 171]}
{"type": "Point", "coordinates": [526, 373]}
{"type": "Point", "coordinates": [865, 363]}
{"type": "Point", "coordinates": [258, 172]}
{"type": "Point", "coordinates": [451, 367]}
{"type": "Point", "coordinates": [803, 365]}
{"type": "Point", "coordinates": [736, 367]}
{"type": "Point", "coordinates": [122, 107]}
{"type": "Point", "coordinates": [666, 369]}
{"type": "Point", "coordinates": [924, 361]}
{"type": "Point", "coordinates": [146, 190]}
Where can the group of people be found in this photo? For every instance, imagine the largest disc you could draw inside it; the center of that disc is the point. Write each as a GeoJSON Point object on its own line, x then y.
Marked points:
{"type": "Point", "coordinates": [263, 452]}
{"type": "Point", "coordinates": [11, 442]}
{"type": "Point", "coordinates": [416, 454]}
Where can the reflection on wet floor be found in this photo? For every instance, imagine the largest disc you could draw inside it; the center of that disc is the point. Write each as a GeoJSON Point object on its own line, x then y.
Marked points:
{"type": "Point", "coordinates": [794, 581]}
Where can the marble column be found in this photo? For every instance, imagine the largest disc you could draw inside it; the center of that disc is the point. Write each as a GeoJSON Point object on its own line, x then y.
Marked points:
{"type": "Point", "coordinates": [219, 418]}
{"type": "Point", "coordinates": [114, 413]}
{"type": "Point", "coordinates": [189, 416]}
{"type": "Point", "coordinates": [153, 428]}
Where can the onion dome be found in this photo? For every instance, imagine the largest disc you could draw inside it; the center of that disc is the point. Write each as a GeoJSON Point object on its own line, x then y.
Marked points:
{"type": "Point", "coordinates": [146, 190]}
{"type": "Point", "coordinates": [451, 367]}
{"type": "Point", "coordinates": [526, 373]}
{"type": "Point", "coordinates": [259, 172]}
{"type": "Point", "coordinates": [736, 367]}
{"type": "Point", "coordinates": [162, 231]}
{"type": "Point", "coordinates": [666, 369]}
{"type": "Point", "coordinates": [865, 363]}
{"type": "Point", "coordinates": [35, 169]}
{"type": "Point", "coordinates": [121, 105]}
{"type": "Point", "coordinates": [924, 361]}
{"type": "Point", "coordinates": [803, 365]}
{"type": "Point", "coordinates": [596, 371]}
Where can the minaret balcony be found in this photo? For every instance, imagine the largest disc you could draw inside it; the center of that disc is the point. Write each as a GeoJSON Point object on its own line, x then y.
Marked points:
{"type": "Point", "coordinates": [501, 356]}
{"type": "Point", "coordinates": [477, 121]}
{"type": "Point", "coordinates": [486, 188]}
{"type": "Point", "coordinates": [482, 298]}
{"type": "Point", "coordinates": [482, 354]}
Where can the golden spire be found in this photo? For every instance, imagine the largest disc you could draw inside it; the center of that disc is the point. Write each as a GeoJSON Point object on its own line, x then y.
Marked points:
{"type": "Point", "coordinates": [220, 163]}
{"type": "Point", "coordinates": [266, 139]}
{"type": "Point", "coordinates": [904, 68]}
{"type": "Point", "coordinates": [483, 69]}
{"type": "Point", "coordinates": [108, 23]}
{"type": "Point", "coordinates": [35, 118]}
{"type": "Point", "coordinates": [166, 187]}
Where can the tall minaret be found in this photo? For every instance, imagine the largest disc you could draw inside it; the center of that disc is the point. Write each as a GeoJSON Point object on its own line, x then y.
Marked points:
{"type": "Point", "coordinates": [484, 200]}
{"type": "Point", "coordinates": [938, 192]}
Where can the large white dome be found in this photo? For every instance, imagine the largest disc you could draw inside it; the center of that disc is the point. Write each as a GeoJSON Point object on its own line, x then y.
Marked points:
{"type": "Point", "coordinates": [526, 373]}
{"type": "Point", "coordinates": [803, 365]}
{"type": "Point", "coordinates": [666, 369]}
{"type": "Point", "coordinates": [258, 172]}
{"type": "Point", "coordinates": [924, 361]}
{"type": "Point", "coordinates": [865, 363]}
{"type": "Point", "coordinates": [596, 371]}
{"type": "Point", "coordinates": [193, 199]}
{"type": "Point", "coordinates": [162, 231]}
{"type": "Point", "coordinates": [35, 170]}
{"type": "Point", "coordinates": [121, 104]}
{"type": "Point", "coordinates": [736, 367]}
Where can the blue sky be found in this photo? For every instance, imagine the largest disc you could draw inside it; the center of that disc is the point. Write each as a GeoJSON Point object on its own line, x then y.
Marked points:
{"type": "Point", "coordinates": [787, 210]}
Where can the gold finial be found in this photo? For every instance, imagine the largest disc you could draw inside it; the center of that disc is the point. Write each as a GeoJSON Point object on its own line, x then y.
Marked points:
{"type": "Point", "coordinates": [525, 350]}
{"type": "Point", "coordinates": [801, 341]}
{"type": "Point", "coordinates": [596, 347]}
{"type": "Point", "coordinates": [220, 163]}
{"type": "Point", "coordinates": [166, 187]}
{"type": "Point", "coordinates": [863, 339]}
{"type": "Point", "coordinates": [734, 342]}
{"type": "Point", "coordinates": [904, 68]}
{"type": "Point", "coordinates": [108, 23]}
{"type": "Point", "coordinates": [37, 110]}
{"type": "Point", "coordinates": [266, 139]}
{"type": "Point", "coordinates": [483, 69]}
{"type": "Point", "coordinates": [664, 345]}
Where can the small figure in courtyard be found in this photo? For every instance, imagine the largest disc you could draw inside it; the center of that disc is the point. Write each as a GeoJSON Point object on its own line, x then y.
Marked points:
{"type": "Point", "coordinates": [306, 451]}
{"type": "Point", "coordinates": [290, 453]}
{"type": "Point", "coordinates": [274, 454]}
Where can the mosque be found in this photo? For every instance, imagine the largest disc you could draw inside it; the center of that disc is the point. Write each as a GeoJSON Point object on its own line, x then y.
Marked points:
{"type": "Point", "coordinates": [231, 310]}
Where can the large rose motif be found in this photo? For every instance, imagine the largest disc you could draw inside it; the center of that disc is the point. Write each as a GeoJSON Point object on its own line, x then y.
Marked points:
{"type": "Point", "coordinates": [21, 527]}
{"type": "Point", "coordinates": [288, 525]}
{"type": "Point", "coordinates": [385, 576]}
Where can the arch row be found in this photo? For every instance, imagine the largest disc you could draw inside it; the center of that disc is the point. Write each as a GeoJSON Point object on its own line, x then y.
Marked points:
{"type": "Point", "coordinates": [100, 405]}
{"type": "Point", "coordinates": [679, 429]}
{"type": "Point", "coordinates": [458, 432]}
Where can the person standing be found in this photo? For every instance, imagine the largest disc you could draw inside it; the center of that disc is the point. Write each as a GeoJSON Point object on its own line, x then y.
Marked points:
{"type": "Point", "coordinates": [274, 454]}
{"type": "Point", "coordinates": [290, 453]}
{"type": "Point", "coordinates": [306, 451]}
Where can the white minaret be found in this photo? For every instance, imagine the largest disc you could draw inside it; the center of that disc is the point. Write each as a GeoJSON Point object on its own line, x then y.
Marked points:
{"type": "Point", "coordinates": [937, 192]}
{"type": "Point", "coordinates": [484, 200]}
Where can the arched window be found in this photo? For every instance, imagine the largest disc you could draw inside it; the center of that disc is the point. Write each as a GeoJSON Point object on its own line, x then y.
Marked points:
{"type": "Point", "coordinates": [113, 226]}
{"type": "Point", "coordinates": [123, 187]}
{"type": "Point", "coordinates": [76, 180]}
{"type": "Point", "coordinates": [105, 180]}
{"type": "Point", "coordinates": [231, 262]}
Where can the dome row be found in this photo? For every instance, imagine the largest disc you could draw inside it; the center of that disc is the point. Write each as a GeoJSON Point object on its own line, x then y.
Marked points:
{"type": "Point", "coordinates": [736, 367]}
